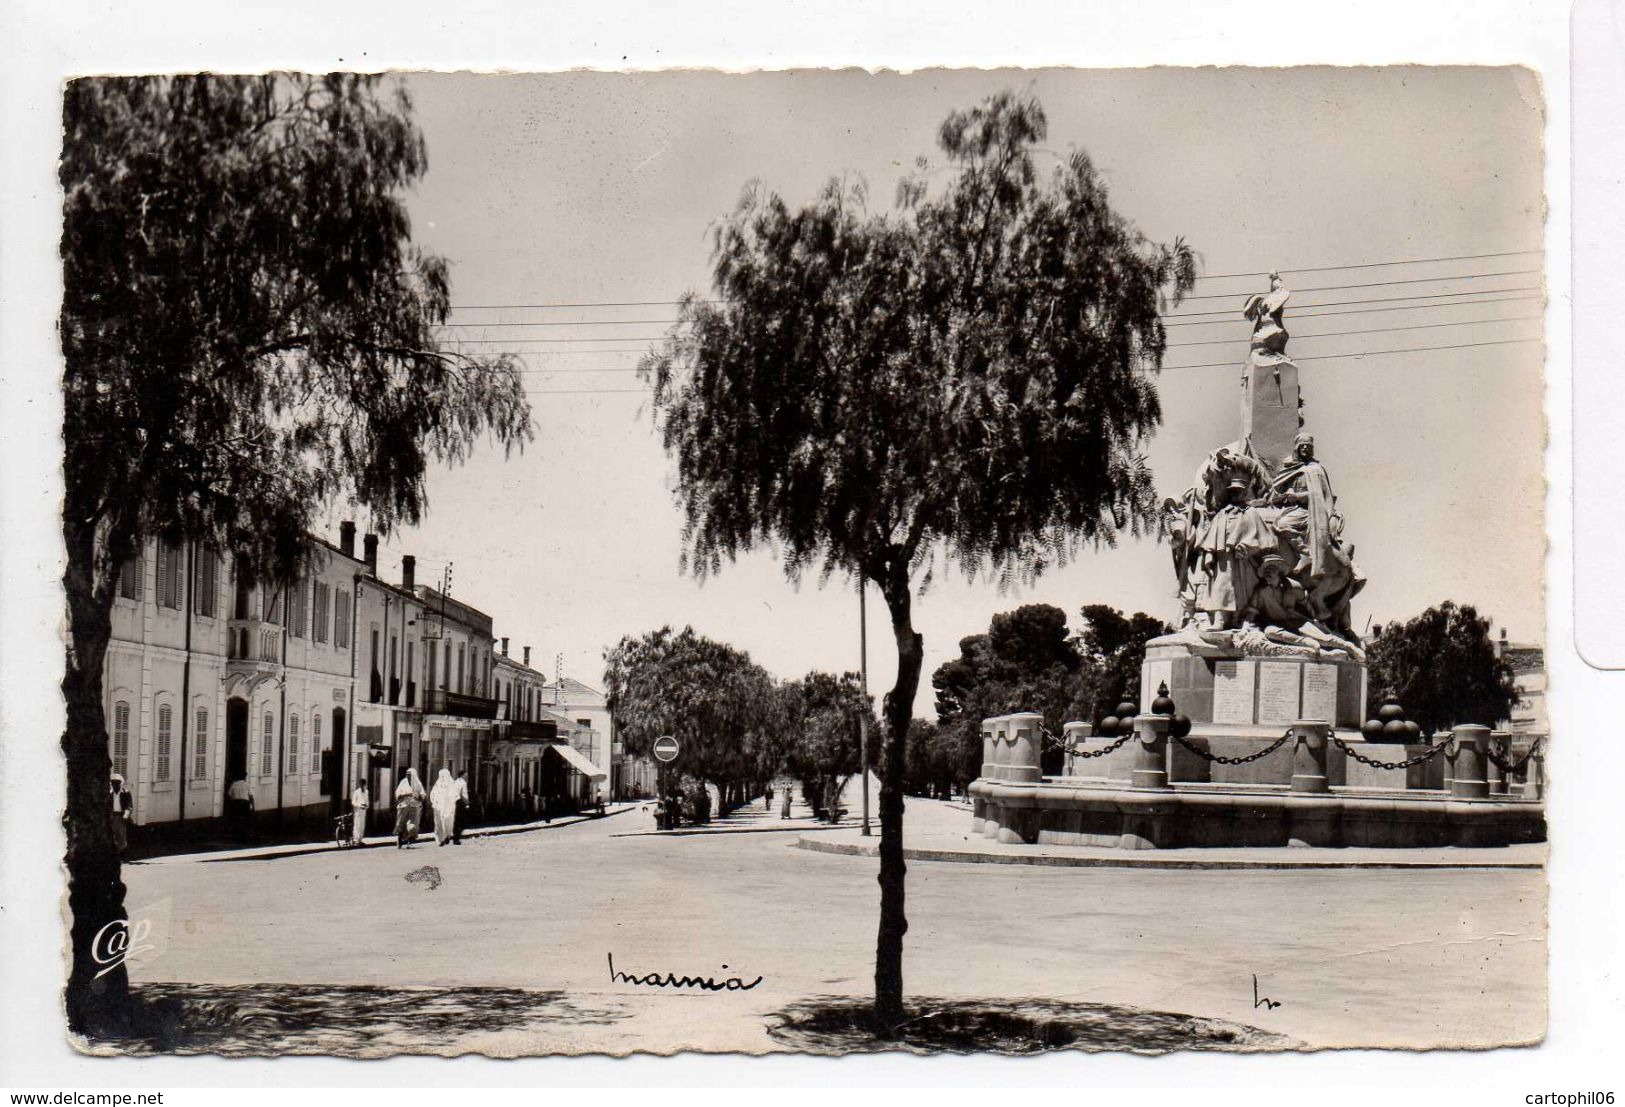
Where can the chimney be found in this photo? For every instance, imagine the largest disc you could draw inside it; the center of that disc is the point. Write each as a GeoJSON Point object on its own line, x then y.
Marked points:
{"type": "Point", "coordinates": [504, 647]}
{"type": "Point", "coordinates": [369, 547]}
{"type": "Point", "coordinates": [409, 572]}
{"type": "Point", "coordinates": [347, 538]}
{"type": "Point", "coordinates": [527, 657]}
{"type": "Point", "coordinates": [1501, 644]}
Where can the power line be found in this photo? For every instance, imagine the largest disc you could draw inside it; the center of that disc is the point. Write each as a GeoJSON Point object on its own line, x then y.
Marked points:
{"type": "Point", "coordinates": [1183, 299]}
{"type": "Point", "coordinates": [1203, 277]}
{"type": "Point", "coordinates": [1370, 330]}
{"type": "Point", "coordinates": [1484, 296]}
{"type": "Point", "coordinates": [1203, 365]}
{"type": "Point", "coordinates": [1171, 345]}
{"type": "Point", "coordinates": [1363, 310]}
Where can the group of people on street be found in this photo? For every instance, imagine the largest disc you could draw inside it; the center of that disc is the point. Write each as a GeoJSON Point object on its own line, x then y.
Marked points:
{"type": "Point", "coordinates": [448, 801]}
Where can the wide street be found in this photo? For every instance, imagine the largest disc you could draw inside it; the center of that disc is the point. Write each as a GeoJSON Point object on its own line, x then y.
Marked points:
{"type": "Point", "coordinates": [1354, 957]}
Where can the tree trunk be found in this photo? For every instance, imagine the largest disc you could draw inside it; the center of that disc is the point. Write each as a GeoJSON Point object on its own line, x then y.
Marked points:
{"type": "Point", "coordinates": [98, 993]}
{"type": "Point", "coordinates": [888, 1010]}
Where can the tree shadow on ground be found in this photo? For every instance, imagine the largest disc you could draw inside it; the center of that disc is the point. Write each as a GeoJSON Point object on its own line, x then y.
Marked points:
{"type": "Point", "coordinates": [256, 1020]}
{"type": "Point", "coordinates": [829, 1024]}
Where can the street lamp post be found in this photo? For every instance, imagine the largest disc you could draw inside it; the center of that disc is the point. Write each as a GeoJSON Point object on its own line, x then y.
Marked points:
{"type": "Point", "coordinates": [863, 720]}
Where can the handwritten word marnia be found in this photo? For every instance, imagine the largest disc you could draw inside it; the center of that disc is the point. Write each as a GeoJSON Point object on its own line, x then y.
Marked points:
{"type": "Point", "coordinates": [672, 980]}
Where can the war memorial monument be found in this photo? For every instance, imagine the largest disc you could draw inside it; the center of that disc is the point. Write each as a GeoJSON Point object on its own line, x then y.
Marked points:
{"type": "Point", "coordinates": [1255, 730]}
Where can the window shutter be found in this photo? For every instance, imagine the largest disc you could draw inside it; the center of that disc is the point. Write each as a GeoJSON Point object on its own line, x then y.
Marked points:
{"type": "Point", "coordinates": [200, 753]}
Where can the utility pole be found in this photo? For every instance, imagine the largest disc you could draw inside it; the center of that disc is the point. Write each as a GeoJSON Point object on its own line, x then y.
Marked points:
{"type": "Point", "coordinates": [863, 720]}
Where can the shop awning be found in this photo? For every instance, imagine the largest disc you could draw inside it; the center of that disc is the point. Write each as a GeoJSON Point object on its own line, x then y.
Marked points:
{"type": "Point", "coordinates": [579, 763]}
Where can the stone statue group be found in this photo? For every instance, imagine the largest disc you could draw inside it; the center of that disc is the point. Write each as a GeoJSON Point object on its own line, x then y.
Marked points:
{"type": "Point", "coordinates": [1259, 556]}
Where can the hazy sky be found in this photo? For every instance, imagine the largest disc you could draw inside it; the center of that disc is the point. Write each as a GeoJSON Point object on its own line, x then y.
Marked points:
{"type": "Point", "coordinates": [590, 188]}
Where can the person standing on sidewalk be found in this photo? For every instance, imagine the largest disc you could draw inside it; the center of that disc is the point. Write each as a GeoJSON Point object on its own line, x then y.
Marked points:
{"type": "Point", "coordinates": [239, 808]}
{"type": "Point", "coordinates": [408, 809]}
{"type": "Point", "coordinates": [123, 803]}
{"type": "Point", "coordinates": [443, 802]}
{"type": "Point", "coordinates": [360, 803]}
{"type": "Point", "coordinates": [460, 811]}
{"type": "Point", "coordinates": [784, 811]}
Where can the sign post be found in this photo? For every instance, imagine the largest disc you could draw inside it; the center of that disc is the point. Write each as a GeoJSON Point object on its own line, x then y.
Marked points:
{"type": "Point", "coordinates": [665, 751]}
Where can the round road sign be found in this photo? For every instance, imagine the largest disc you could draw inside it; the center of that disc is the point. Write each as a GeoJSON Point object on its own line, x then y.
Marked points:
{"type": "Point", "coordinates": [666, 748]}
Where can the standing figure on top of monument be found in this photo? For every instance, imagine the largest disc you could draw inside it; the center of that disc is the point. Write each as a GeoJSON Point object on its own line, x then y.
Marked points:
{"type": "Point", "coordinates": [1264, 309]}
{"type": "Point", "coordinates": [1304, 493]}
{"type": "Point", "coordinates": [1227, 546]}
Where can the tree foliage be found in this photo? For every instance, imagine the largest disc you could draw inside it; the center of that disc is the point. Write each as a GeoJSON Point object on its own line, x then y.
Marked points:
{"type": "Point", "coordinates": [968, 374]}
{"type": "Point", "coordinates": [1028, 661]}
{"type": "Point", "coordinates": [1443, 669]}
{"type": "Point", "coordinates": [248, 332]}
{"type": "Point", "coordinates": [824, 746]}
{"type": "Point", "coordinates": [726, 712]}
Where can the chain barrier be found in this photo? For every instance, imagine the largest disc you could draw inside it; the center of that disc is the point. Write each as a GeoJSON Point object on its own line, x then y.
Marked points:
{"type": "Point", "coordinates": [1218, 760]}
{"type": "Point", "coordinates": [1501, 762]}
{"type": "Point", "coordinates": [1060, 744]}
{"type": "Point", "coordinates": [1426, 755]}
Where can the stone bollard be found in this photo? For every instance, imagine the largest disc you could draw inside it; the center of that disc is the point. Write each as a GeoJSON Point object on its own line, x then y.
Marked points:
{"type": "Point", "coordinates": [1467, 777]}
{"type": "Point", "coordinates": [1024, 747]}
{"type": "Point", "coordinates": [1500, 779]}
{"type": "Point", "coordinates": [1073, 735]}
{"type": "Point", "coordinates": [1309, 756]}
{"type": "Point", "coordinates": [1151, 753]}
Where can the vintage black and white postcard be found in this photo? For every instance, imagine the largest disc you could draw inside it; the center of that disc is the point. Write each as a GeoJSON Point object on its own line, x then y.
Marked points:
{"type": "Point", "coordinates": [605, 562]}
{"type": "Point", "coordinates": [993, 561]}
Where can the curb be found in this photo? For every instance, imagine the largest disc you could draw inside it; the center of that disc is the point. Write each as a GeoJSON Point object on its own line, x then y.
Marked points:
{"type": "Point", "coordinates": [1130, 860]}
{"type": "Point", "coordinates": [277, 854]}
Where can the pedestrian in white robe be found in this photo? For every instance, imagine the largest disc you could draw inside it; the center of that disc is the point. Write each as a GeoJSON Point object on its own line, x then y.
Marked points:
{"type": "Point", "coordinates": [443, 800]}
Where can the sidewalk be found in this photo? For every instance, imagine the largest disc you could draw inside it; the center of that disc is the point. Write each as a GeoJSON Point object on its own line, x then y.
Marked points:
{"type": "Point", "coordinates": [297, 849]}
{"type": "Point", "coordinates": [750, 818]}
{"type": "Point", "coordinates": [936, 830]}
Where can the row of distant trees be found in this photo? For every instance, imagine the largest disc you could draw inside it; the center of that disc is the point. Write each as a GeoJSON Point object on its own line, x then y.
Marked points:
{"type": "Point", "coordinates": [737, 726]}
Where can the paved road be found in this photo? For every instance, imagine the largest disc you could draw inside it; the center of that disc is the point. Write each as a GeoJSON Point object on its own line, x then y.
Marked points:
{"type": "Point", "coordinates": [1354, 957]}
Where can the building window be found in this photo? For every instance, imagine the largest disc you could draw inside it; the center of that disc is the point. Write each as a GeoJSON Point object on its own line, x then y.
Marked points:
{"type": "Point", "coordinates": [160, 761]}
{"type": "Point", "coordinates": [296, 609]}
{"type": "Point", "coordinates": [462, 673]}
{"type": "Point", "coordinates": [445, 666]}
{"type": "Point", "coordinates": [293, 744]}
{"type": "Point", "coordinates": [377, 688]}
{"type": "Point", "coordinates": [200, 748]}
{"type": "Point", "coordinates": [169, 575]}
{"type": "Point", "coordinates": [267, 749]}
{"type": "Point", "coordinates": [205, 584]}
{"type": "Point", "coordinates": [341, 620]}
{"type": "Point", "coordinates": [273, 605]}
{"type": "Point", "coordinates": [315, 741]}
{"type": "Point", "coordinates": [318, 623]}
{"type": "Point", "coordinates": [121, 739]}
{"type": "Point", "coordinates": [129, 578]}
{"type": "Point", "coordinates": [411, 685]}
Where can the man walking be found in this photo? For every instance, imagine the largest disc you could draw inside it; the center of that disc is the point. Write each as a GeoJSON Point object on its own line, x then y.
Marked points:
{"type": "Point", "coordinates": [239, 807]}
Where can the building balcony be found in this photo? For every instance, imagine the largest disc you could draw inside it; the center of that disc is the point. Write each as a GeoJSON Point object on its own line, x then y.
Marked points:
{"type": "Point", "coordinates": [439, 701]}
{"type": "Point", "coordinates": [533, 730]}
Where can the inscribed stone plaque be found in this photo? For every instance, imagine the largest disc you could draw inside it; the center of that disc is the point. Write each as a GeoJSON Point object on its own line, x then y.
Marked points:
{"type": "Point", "coordinates": [1320, 693]}
{"type": "Point", "coordinates": [1233, 691]}
{"type": "Point", "coordinates": [1278, 692]}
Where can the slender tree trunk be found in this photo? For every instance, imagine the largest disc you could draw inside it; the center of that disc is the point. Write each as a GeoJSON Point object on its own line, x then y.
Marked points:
{"type": "Point", "coordinates": [98, 994]}
{"type": "Point", "coordinates": [888, 1010]}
